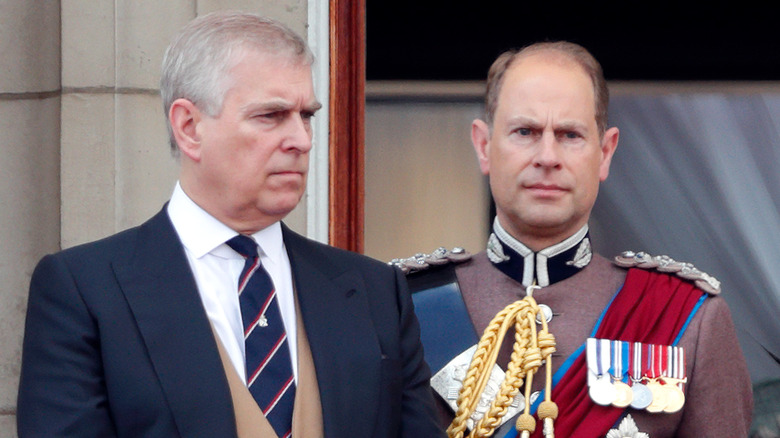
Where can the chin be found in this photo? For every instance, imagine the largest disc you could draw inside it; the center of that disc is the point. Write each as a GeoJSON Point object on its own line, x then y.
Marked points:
{"type": "Point", "coordinates": [282, 206]}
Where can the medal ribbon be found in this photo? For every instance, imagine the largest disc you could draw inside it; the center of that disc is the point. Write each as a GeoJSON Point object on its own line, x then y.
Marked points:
{"type": "Point", "coordinates": [680, 369]}
{"type": "Point", "coordinates": [652, 360]}
{"type": "Point", "coordinates": [666, 360]}
{"type": "Point", "coordinates": [615, 361]}
{"type": "Point", "coordinates": [636, 362]}
{"type": "Point", "coordinates": [604, 355]}
{"type": "Point", "coordinates": [624, 363]}
{"type": "Point", "coordinates": [591, 355]}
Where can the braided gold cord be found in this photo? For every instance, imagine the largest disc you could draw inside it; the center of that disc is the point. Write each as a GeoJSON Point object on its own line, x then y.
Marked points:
{"type": "Point", "coordinates": [474, 382]}
{"type": "Point", "coordinates": [529, 349]}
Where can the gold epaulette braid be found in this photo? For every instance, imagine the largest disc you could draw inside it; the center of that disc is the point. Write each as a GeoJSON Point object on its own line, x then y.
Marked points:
{"type": "Point", "coordinates": [529, 350]}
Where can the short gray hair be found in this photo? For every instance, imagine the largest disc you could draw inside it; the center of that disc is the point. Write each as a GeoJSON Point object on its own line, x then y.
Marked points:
{"type": "Point", "coordinates": [569, 50]}
{"type": "Point", "coordinates": [196, 63]}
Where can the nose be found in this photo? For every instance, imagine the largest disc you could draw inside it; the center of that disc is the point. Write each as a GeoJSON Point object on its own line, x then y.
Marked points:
{"type": "Point", "coordinates": [548, 152]}
{"type": "Point", "coordinates": [298, 134]}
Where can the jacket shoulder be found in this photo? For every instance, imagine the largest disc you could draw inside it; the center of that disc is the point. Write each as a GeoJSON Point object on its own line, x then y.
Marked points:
{"type": "Point", "coordinates": [422, 262]}
{"type": "Point", "coordinates": [669, 266]}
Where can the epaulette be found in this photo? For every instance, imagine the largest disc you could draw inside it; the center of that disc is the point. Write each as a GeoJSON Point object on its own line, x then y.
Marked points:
{"type": "Point", "coordinates": [441, 256]}
{"type": "Point", "coordinates": [663, 263]}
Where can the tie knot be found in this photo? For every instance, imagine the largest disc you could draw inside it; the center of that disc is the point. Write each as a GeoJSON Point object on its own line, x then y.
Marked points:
{"type": "Point", "coordinates": [244, 245]}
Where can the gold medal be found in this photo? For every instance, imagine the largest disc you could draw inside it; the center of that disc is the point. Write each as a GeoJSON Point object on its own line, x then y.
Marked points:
{"type": "Point", "coordinates": [675, 399]}
{"type": "Point", "coordinates": [623, 394]}
{"type": "Point", "coordinates": [659, 396]}
{"type": "Point", "coordinates": [620, 359]}
{"type": "Point", "coordinates": [677, 381]}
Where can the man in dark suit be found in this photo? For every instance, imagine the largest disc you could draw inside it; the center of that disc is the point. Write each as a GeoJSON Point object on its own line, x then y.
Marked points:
{"type": "Point", "coordinates": [141, 334]}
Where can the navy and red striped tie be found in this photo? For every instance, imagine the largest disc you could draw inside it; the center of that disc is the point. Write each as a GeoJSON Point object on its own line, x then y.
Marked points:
{"type": "Point", "coordinates": [269, 375]}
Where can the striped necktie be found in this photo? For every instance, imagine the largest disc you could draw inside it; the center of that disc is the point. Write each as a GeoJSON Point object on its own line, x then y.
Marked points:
{"type": "Point", "coordinates": [269, 375]}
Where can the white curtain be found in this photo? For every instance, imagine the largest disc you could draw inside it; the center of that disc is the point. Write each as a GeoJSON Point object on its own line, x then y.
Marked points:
{"type": "Point", "coordinates": [696, 176]}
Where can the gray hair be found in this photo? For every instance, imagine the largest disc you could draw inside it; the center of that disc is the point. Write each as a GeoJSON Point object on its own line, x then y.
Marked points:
{"type": "Point", "coordinates": [196, 63]}
{"type": "Point", "coordinates": [571, 51]}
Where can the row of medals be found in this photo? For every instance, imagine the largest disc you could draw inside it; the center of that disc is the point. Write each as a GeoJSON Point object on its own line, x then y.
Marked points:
{"type": "Point", "coordinates": [654, 394]}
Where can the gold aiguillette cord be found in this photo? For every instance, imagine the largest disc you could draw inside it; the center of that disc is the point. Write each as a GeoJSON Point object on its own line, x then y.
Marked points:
{"type": "Point", "coordinates": [529, 350]}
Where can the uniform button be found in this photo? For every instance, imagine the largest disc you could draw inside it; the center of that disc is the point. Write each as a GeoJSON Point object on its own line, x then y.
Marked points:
{"type": "Point", "coordinates": [547, 311]}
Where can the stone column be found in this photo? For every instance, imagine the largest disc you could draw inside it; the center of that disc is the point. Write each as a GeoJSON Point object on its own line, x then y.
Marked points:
{"type": "Point", "coordinates": [29, 165]}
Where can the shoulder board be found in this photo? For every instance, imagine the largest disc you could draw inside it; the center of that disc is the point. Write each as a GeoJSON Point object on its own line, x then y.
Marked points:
{"type": "Point", "coordinates": [666, 264]}
{"type": "Point", "coordinates": [441, 256]}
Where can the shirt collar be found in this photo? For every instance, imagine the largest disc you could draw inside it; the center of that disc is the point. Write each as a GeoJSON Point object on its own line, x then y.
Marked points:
{"type": "Point", "coordinates": [545, 267]}
{"type": "Point", "coordinates": [201, 233]}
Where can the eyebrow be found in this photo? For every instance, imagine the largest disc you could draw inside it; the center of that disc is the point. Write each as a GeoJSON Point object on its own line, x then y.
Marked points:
{"type": "Point", "coordinates": [534, 123]}
{"type": "Point", "coordinates": [571, 125]}
{"type": "Point", "coordinates": [523, 120]}
{"type": "Point", "coordinates": [314, 107]}
{"type": "Point", "coordinates": [274, 105]}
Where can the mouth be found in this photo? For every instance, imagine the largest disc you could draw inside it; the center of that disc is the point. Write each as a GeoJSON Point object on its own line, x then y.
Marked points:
{"type": "Point", "coordinates": [543, 186]}
{"type": "Point", "coordinates": [545, 190]}
{"type": "Point", "coordinates": [288, 173]}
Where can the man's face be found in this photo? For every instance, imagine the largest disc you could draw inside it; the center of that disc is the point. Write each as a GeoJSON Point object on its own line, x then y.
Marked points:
{"type": "Point", "coordinates": [253, 157]}
{"type": "Point", "coordinates": [544, 155]}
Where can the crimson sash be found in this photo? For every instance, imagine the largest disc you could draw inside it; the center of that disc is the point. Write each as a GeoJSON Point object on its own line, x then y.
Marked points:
{"type": "Point", "coordinates": [650, 308]}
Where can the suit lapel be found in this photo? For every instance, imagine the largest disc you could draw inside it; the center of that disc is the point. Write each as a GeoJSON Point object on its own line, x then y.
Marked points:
{"type": "Point", "coordinates": [163, 296]}
{"type": "Point", "coordinates": [335, 312]}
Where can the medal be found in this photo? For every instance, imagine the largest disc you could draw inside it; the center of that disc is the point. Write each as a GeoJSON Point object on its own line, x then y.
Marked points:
{"type": "Point", "coordinates": [623, 393]}
{"type": "Point", "coordinates": [600, 389]}
{"type": "Point", "coordinates": [675, 382]}
{"type": "Point", "coordinates": [660, 396]}
{"type": "Point", "coordinates": [642, 397]}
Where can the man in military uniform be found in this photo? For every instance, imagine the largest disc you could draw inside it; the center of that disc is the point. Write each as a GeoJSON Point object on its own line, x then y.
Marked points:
{"type": "Point", "coordinates": [653, 322]}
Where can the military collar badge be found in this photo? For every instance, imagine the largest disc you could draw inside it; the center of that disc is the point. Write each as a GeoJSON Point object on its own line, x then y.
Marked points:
{"type": "Point", "coordinates": [543, 268]}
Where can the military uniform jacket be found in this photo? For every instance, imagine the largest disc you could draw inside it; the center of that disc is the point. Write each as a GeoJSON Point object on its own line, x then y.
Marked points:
{"type": "Point", "coordinates": [718, 392]}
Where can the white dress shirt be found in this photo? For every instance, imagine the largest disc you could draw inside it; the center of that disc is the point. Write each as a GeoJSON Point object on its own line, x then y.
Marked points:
{"type": "Point", "coordinates": [216, 268]}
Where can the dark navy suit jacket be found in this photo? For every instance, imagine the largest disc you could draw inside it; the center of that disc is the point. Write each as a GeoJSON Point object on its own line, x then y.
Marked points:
{"type": "Point", "coordinates": [117, 343]}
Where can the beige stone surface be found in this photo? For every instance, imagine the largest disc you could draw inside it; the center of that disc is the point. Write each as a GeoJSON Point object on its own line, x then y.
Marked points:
{"type": "Point", "coordinates": [88, 167]}
{"type": "Point", "coordinates": [30, 46]}
{"type": "Point", "coordinates": [144, 29]}
{"type": "Point", "coordinates": [29, 218]}
{"type": "Point", "coordinates": [145, 169]}
{"type": "Point", "coordinates": [88, 39]}
{"type": "Point", "coordinates": [7, 426]}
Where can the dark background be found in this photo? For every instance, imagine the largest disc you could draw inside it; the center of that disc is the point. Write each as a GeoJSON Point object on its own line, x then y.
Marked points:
{"type": "Point", "coordinates": [448, 40]}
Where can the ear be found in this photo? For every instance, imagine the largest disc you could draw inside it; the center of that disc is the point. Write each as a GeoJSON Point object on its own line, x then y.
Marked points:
{"type": "Point", "coordinates": [480, 138]}
{"type": "Point", "coordinates": [184, 117]}
{"type": "Point", "coordinates": [608, 145]}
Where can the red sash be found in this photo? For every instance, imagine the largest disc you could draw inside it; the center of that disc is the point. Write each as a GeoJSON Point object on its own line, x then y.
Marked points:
{"type": "Point", "coordinates": [651, 308]}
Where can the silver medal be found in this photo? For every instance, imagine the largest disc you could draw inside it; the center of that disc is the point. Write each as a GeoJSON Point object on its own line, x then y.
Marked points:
{"type": "Point", "coordinates": [602, 391]}
{"type": "Point", "coordinates": [642, 396]}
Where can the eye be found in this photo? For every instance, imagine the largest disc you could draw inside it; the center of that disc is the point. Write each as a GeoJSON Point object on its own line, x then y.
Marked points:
{"type": "Point", "coordinates": [307, 115]}
{"type": "Point", "coordinates": [524, 132]}
{"type": "Point", "coordinates": [570, 135]}
{"type": "Point", "coordinates": [271, 115]}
